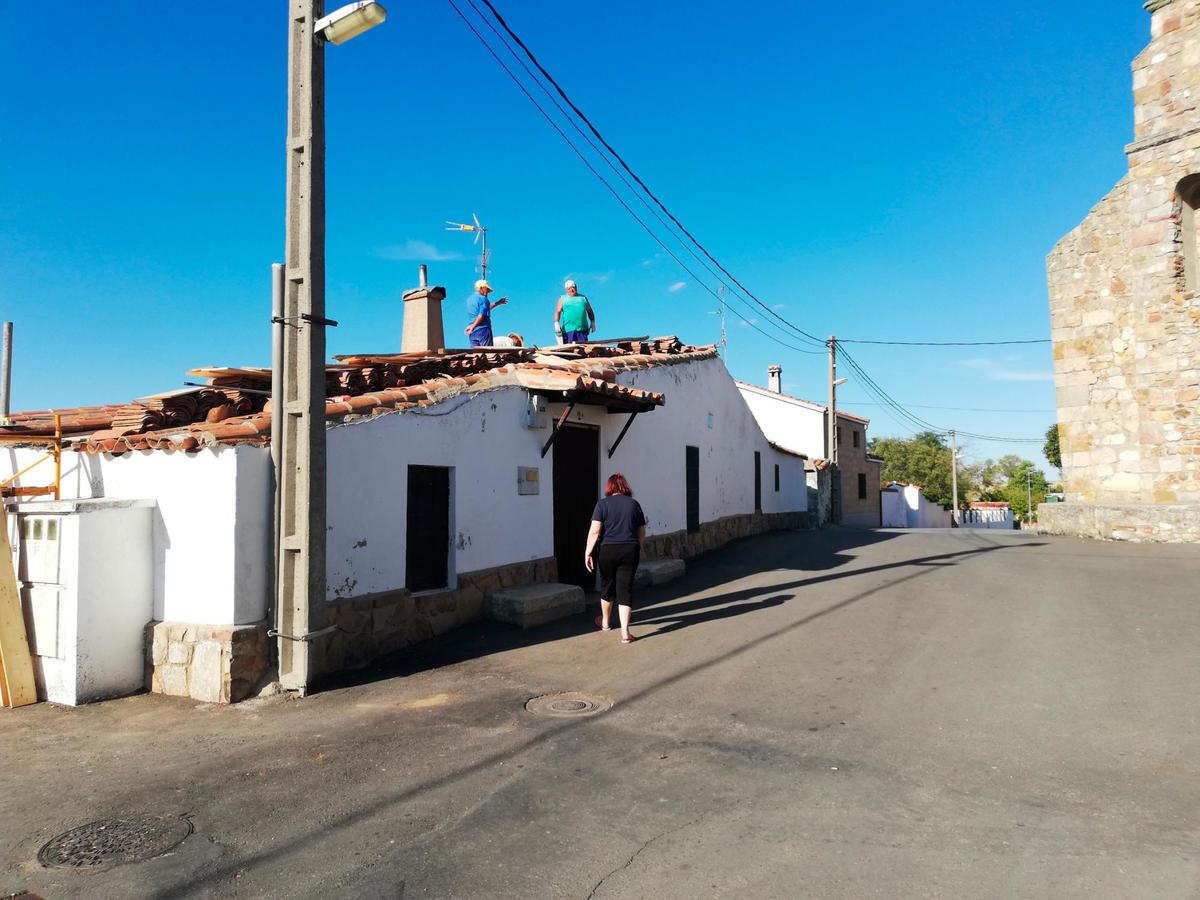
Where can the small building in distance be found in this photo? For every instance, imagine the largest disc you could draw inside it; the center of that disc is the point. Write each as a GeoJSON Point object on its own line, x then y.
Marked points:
{"type": "Point", "coordinates": [987, 514]}
{"type": "Point", "coordinates": [800, 425]}
{"type": "Point", "coordinates": [1125, 313]}
{"type": "Point", "coordinates": [904, 506]}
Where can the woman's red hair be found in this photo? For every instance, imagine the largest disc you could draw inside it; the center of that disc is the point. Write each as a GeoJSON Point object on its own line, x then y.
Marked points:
{"type": "Point", "coordinates": [617, 485]}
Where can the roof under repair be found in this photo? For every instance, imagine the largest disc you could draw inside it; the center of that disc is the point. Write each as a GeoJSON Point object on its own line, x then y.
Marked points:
{"type": "Point", "coordinates": [234, 407]}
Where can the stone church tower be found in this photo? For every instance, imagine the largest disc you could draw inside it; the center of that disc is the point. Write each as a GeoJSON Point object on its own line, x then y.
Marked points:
{"type": "Point", "coordinates": [1125, 314]}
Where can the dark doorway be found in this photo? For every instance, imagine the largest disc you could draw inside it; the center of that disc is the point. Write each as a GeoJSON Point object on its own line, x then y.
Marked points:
{"type": "Point", "coordinates": [576, 490]}
{"type": "Point", "coordinates": [692, 488]}
{"type": "Point", "coordinates": [427, 555]}
{"type": "Point", "coordinates": [757, 481]}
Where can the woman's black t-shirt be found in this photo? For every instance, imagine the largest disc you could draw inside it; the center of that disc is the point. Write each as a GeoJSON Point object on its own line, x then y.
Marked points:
{"type": "Point", "coordinates": [621, 517]}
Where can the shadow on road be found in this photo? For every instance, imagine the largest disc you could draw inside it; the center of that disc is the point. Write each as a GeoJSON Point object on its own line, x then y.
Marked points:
{"type": "Point", "coordinates": [553, 729]}
{"type": "Point", "coordinates": [809, 551]}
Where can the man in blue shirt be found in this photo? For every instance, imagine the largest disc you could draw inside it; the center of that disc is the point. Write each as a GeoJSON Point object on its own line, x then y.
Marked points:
{"type": "Point", "coordinates": [479, 309]}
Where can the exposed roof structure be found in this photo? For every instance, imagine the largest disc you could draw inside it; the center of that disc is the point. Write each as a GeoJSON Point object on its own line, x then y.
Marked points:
{"type": "Point", "coordinates": [234, 407]}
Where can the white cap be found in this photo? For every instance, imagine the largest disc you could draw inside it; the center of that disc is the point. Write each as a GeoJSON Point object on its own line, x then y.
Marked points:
{"type": "Point", "coordinates": [481, 284]}
{"type": "Point", "coordinates": [569, 284]}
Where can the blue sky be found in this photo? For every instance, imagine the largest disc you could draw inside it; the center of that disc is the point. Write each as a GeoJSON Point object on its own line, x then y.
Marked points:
{"type": "Point", "coordinates": [875, 170]}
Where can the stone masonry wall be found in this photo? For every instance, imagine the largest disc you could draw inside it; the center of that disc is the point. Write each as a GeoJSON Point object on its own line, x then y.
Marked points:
{"type": "Point", "coordinates": [1126, 330]}
{"type": "Point", "coordinates": [369, 628]}
{"type": "Point", "coordinates": [205, 662]}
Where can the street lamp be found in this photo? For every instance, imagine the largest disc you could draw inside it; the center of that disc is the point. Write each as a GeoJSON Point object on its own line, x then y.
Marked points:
{"type": "Point", "coordinates": [350, 21]}
{"type": "Point", "coordinates": [298, 408]}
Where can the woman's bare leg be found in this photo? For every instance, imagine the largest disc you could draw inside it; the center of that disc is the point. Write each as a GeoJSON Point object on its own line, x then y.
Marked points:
{"type": "Point", "coordinates": [606, 613]}
{"type": "Point", "coordinates": [624, 612]}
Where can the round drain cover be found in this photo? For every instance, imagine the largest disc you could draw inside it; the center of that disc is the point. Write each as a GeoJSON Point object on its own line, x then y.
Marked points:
{"type": "Point", "coordinates": [114, 842]}
{"type": "Point", "coordinates": [569, 704]}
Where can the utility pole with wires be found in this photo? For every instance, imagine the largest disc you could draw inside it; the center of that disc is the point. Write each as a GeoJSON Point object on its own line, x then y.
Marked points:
{"type": "Point", "coordinates": [954, 474]}
{"type": "Point", "coordinates": [1028, 496]}
{"type": "Point", "coordinates": [831, 435]}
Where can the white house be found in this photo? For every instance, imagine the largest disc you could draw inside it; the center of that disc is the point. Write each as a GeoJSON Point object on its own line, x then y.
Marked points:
{"type": "Point", "coordinates": [450, 474]}
{"type": "Point", "coordinates": [800, 425]}
{"type": "Point", "coordinates": [904, 506]}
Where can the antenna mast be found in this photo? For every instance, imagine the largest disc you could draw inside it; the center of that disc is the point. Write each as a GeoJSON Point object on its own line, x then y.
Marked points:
{"type": "Point", "coordinates": [480, 233]}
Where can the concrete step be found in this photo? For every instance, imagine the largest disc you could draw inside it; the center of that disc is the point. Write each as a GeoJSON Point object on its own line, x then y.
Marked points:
{"type": "Point", "coordinates": [534, 604]}
{"type": "Point", "coordinates": [658, 571]}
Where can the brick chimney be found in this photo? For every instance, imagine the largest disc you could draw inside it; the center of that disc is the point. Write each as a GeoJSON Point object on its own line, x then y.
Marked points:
{"type": "Point", "coordinates": [775, 379]}
{"type": "Point", "coordinates": [423, 332]}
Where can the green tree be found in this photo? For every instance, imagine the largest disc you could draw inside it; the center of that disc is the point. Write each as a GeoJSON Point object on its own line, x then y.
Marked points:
{"type": "Point", "coordinates": [923, 460]}
{"type": "Point", "coordinates": [1051, 449]}
{"type": "Point", "coordinates": [1025, 479]}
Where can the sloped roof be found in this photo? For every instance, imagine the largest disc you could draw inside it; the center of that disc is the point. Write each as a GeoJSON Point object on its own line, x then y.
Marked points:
{"type": "Point", "coordinates": [234, 407]}
{"type": "Point", "coordinates": [799, 401]}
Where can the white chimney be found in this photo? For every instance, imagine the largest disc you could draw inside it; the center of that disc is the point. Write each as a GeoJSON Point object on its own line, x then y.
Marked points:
{"type": "Point", "coordinates": [775, 379]}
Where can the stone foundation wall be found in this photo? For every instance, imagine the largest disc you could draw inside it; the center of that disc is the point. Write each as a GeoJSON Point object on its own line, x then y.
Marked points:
{"type": "Point", "coordinates": [216, 664]}
{"type": "Point", "coordinates": [682, 545]}
{"type": "Point", "coordinates": [369, 628]}
{"type": "Point", "coordinates": [1147, 523]}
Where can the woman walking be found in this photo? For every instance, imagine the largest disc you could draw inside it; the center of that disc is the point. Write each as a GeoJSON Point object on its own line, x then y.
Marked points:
{"type": "Point", "coordinates": [619, 525]}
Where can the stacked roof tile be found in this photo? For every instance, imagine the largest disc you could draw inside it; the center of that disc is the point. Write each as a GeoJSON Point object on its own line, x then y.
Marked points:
{"type": "Point", "coordinates": [234, 407]}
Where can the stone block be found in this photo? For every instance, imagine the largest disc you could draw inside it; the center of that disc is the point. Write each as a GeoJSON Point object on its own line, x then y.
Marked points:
{"type": "Point", "coordinates": [174, 681]}
{"type": "Point", "coordinates": [179, 653]}
{"type": "Point", "coordinates": [207, 679]}
{"type": "Point", "coordinates": [531, 605]}
{"type": "Point", "coordinates": [659, 571]}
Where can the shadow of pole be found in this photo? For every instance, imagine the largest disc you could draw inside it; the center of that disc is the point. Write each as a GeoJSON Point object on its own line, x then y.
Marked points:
{"type": "Point", "coordinates": [556, 729]}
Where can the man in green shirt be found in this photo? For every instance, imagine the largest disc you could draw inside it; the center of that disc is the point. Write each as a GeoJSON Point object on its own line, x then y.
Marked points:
{"type": "Point", "coordinates": [573, 317]}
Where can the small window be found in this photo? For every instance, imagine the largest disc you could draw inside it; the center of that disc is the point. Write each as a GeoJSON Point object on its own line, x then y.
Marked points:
{"type": "Point", "coordinates": [862, 486]}
{"type": "Point", "coordinates": [777, 478]}
{"type": "Point", "coordinates": [856, 438]}
{"type": "Point", "coordinates": [839, 435]}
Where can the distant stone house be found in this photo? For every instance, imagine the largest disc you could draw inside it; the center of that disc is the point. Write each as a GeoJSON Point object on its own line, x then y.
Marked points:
{"type": "Point", "coordinates": [450, 474]}
{"type": "Point", "coordinates": [1125, 312]}
{"type": "Point", "coordinates": [800, 425]}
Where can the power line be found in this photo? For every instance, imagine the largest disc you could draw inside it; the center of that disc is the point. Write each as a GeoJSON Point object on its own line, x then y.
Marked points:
{"type": "Point", "coordinates": [945, 343]}
{"type": "Point", "coordinates": [482, 40]}
{"type": "Point", "coordinates": [952, 408]}
{"type": "Point", "coordinates": [617, 156]}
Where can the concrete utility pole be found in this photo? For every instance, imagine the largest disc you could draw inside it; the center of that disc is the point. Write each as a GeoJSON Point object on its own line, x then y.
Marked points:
{"type": "Point", "coordinates": [1028, 495]}
{"type": "Point", "coordinates": [301, 580]}
{"type": "Point", "coordinates": [831, 444]}
{"type": "Point", "coordinates": [954, 472]}
{"type": "Point", "coordinates": [6, 371]}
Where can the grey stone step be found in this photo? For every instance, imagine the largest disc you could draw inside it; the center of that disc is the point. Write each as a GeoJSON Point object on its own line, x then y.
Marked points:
{"type": "Point", "coordinates": [658, 571]}
{"type": "Point", "coordinates": [535, 604]}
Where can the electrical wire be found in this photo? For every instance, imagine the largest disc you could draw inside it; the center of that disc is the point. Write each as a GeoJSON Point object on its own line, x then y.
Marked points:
{"type": "Point", "coordinates": [482, 40]}
{"type": "Point", "coordinates": [952, 408]}
{"type": "Point", "coordinates": [945, 343]}
{"type": "Point", "coordinates": [620, 159]}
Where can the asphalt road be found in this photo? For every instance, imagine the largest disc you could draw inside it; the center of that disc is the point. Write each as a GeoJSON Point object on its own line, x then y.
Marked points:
{"type": "Point", "coordinates": [808, 714]}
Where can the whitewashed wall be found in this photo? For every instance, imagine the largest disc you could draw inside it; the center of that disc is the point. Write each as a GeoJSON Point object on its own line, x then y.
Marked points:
{"type": "Point", "coordinates": [481, 437]}
{"type": "Point", "coordinates": [907, 507]}
{"type": "Point", "coordinates": [212, 522]}
{"type": "Point", "coordinates": [786, 421]}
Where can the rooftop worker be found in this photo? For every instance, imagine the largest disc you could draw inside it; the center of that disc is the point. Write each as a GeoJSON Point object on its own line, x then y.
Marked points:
{"type": "Point", "coordinates": [573, 317]}
{"type": "Point", "coordinates": [510, 340]}
{"type": "Point", "coordinates": [479, 309]}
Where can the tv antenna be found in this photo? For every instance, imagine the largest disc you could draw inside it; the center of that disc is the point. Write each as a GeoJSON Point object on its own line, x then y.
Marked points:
{"type": "Point", "coordinates": [721, 312]}
{"type": "Point", "coordinates": [480, 233]}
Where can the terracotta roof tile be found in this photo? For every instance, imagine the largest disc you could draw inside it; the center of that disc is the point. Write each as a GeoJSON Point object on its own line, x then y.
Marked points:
{"type": "Point", "coordinates": [358, 386]}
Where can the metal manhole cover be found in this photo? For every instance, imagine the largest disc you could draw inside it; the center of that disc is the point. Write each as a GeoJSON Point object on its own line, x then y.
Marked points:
{"type": "Point", "coordinates": [114, 842]}
{"type": "Point", "coordinates": [569, 704]}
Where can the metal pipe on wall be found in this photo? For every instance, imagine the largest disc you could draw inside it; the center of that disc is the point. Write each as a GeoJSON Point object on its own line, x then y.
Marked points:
{"type": "Point", "coordinates": [6, 370]}
{"type": "Point", "coordinates": [276, 423]}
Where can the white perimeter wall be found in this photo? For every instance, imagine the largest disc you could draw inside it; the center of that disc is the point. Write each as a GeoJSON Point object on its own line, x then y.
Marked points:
{"type": "Point", "coordinates": [907, 507]}
{"type": "Point", "coordinates": [211, 526]}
